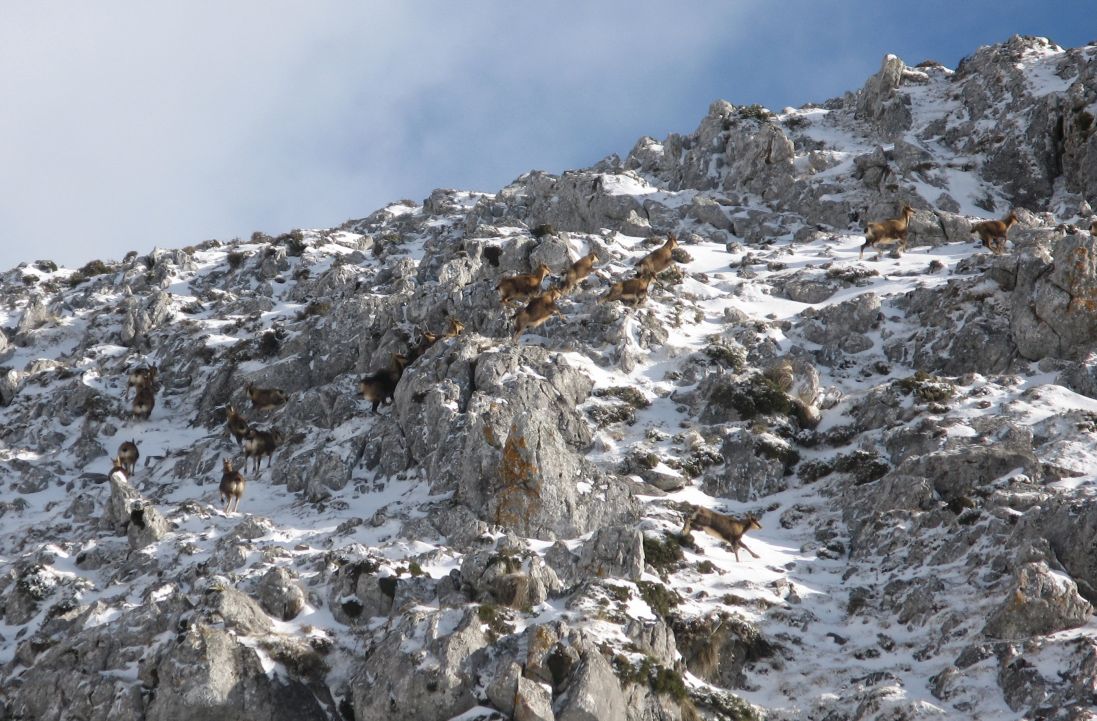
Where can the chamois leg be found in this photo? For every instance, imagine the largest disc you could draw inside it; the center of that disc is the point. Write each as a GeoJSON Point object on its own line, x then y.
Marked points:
{"type": "Point", "coordinates": [742, 545]}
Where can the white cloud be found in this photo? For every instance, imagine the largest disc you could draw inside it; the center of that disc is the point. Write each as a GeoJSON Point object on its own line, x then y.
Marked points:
{"type": "Point", "coordinates": [129, 124]}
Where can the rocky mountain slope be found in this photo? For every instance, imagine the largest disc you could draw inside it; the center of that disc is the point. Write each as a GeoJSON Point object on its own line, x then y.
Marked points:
{"type": "Point", "coordinates": [914, 431]}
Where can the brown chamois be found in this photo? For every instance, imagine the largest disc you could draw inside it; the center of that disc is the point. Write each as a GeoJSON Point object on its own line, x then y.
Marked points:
{"type": "Point", "coordinates": [539, 309]}
{"type": "Point", "coordinates": [238, 427]}
{"type": "Point", "coordinates": [232, 485]}
{"type": "Point", "coordinates": [379, 387]}
{"type": "Point", "coordinates": [659, 259]}
{"type": "Point", "coordinates": [993, 232]}
{"type": "Point", "coordinates": [117, 467]}
{"type": "Point", "coordinates": [521, 286]}
{"type": "Point", "coordinates": [723, 526]}
{"type": "Point", "coordinates": [887, 232]}
{"type": "Point", "coordinates": [143, 402]}
{"type": "Point", "coordinates": [140, 378]}
{"type": "Point", "coordinates": [128, 455]}
{"type": "Point", "coordinates": [456, 327]}
{"type": "Point", "coordinates": [1093, 228]}
{"type": "Point", "coordinates": [261, 443]}
{"type": "Point", "coordinates": [579, 269]}
{"type": "Point", "coordinates": [426, 341]}
{"type": "Point", "coordinates": [265, 399]}
{"type": "Point", "coordinates": [633, 291]}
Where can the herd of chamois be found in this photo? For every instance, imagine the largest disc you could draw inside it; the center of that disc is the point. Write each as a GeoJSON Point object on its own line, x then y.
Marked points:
{"type": "Point", "coordinates": [380, 386]}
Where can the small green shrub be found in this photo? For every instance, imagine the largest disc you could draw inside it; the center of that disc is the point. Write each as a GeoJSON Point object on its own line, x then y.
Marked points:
{"type": "Point", "coordinates": [660, 598]}
{"type": "Point", "coordinates": [633, 396]}
{"type": "Point", "coordinates": [926, 388]}
{"type": "Point", "coordinates": [294, 241]}
{"type": "Point", "coordinates": [754, 111]}
{"type": "Point", "coordinates": [94, 268]}
{"type": "Point", "coordinates": [662, 552]}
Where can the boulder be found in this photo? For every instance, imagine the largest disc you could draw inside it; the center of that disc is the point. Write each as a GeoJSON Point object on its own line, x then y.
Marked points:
{"type": "Point", "coordinates": [1039, 602]}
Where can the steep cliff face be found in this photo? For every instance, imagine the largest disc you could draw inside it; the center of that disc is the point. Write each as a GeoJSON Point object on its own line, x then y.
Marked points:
{"type": "Point", "coordinates": [503, 539]}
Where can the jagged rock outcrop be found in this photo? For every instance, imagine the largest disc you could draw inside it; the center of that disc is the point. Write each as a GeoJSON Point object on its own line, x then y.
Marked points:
{"type": "Point", "coordinates": [503, 539]}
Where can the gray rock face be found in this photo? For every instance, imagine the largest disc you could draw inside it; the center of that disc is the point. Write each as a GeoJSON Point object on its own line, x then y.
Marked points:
{"type": "Point", "coordinates": [208, 675]}
{"type": "Point", "coordinates": [1053, 304]}
{"type": "Point", "coordinates": [501, 428]}
{"type": "Point", "coordinates": [612, 552]}
{"type": "Point", "coordinates": [1040, 602]}
{"type": "Point", "coordinates": [280, 594]}
{"type": "Point", "coordinates": [395, 683]}
{"type": "Point", "coordinates": [880, 105]}
{"type": "Point", "coordinates": [506, 578]}
{"type": "Point", "coordinates": [843, 325]}
{"type": "Point", "coordinates": [593, 692]}
{"type": "Point", "coordinates": [754, 467]}
{"type": "Point", "coordinates": [147, 525]}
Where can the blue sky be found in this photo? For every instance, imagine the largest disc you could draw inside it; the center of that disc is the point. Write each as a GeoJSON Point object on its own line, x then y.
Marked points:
{"type": "Point", "coordinates": [129, 125]}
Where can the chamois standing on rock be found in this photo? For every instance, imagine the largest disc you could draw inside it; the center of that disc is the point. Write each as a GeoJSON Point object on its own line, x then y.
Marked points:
{"type": "Point", "coordinates": [143, 402]}
{"type": "Point", "coordinates": [1093, 228]}
{"type": "Point", "coordinates": [265, 399]}
{"type": "Point", "coordinates": [633, 291]}
{"type": "Point", "coordinates": [579, 269]}
{"type": "Point", "coordinates": [238, 427]}
{"type": "Point", "coordinates": [140, 378]}
{"type": "Point", "coordinates": [232, 485]}
{"type": "Point", "coordinates": [723, 526]}
{"type": "Point", "coordinates": [993, 232]}
{"type": "Point", "coordinates": [261, 443]}
{"type": "Point", "coordinates": [659, 259]}
{"type": "Point", "coordinates": [539, 309]}
{"type": "Point", "coordinates": [523, 285]}
{"type": "Point", "coordinates": [890, 231]}
{"type": "Point", "coordinates": [128, 455]}
{"type": "Point", "coordinates": [379, 387]}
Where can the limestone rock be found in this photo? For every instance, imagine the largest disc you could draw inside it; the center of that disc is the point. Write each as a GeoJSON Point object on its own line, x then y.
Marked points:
{"type": "Point", "coordinates": [1040, 602]}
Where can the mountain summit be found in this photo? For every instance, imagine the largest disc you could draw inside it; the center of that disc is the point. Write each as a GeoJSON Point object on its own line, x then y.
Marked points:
{"type": "Point", "coordinates": [660, 439]}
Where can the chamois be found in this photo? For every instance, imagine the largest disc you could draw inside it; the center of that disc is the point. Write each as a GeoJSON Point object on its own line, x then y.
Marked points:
{"type": "Point", "coordinates": [659, 259]}
{"type": "Point", "coordinates": [539, 309]}
{"type": "Point", "coordinates": [232, 485]}
{"type": "Point", "coordinates": [143, 402]}
{"type": "Point", "coordinates": [633, 291]}
{"type": "Point", "coordinates": [455, 328]}
{"type": "Point", "coordinates": [117, 467]}
{"type": "Point", "coordinates": [993, 232]}
{"type": "Point", "coordinates": [579, 269]}
{"type": "Point", "coordinates": [724, 526]}
{"type": "Point", "coordinates": [238, 427]}
{"type": "Point", "coordinates": [379, 387]}
{"type": "Point", "coordinates": [523, 285]}
{"type": "Point", "coordinates": [1093, 228]}
{"type": "Point", "coordinates": [426, 341]}
{"type": "Point", "coordinates": [128, 455]}
{"type": "Point", "coordinates": [261, 443]}
{"type": "Point", "coordinates": [264, 399]}
{"type": "Point", "coordinates": [886, 232]}
{"type": "Point", "coordinates": [139, 378]}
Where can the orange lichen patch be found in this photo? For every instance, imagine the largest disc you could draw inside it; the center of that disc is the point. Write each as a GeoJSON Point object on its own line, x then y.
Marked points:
{"type": "Point", "coordinates": [489, 436]}
{"type": "Point", "coordinates": [519, 493]}
{"type": "Point", "coordinates": [1083, 295]}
